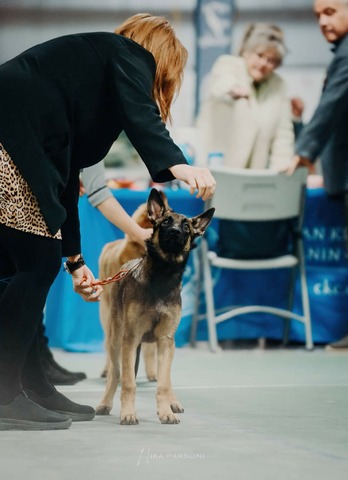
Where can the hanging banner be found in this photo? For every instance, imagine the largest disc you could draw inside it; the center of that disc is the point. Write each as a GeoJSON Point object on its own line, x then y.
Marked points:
{"type": "Point", "coordinates": [214, 38]}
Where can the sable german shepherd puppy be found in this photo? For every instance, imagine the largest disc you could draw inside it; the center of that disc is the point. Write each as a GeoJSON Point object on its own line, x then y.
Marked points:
{"type": "Point", "coordinates": [112, 257]}
{"type": "Point", "coordinates": [146, 307]}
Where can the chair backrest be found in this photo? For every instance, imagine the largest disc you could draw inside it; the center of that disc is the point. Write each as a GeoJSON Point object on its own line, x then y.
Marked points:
{"type": "Point", "coordinates": [259, 195]}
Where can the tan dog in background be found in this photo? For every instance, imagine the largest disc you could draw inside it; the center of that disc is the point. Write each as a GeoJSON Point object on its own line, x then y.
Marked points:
{"type": "Point", "coordinates": [112, 257]}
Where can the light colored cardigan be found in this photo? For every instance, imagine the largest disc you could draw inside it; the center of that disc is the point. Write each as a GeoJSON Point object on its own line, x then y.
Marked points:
{"type": "Point", "coordinates": [251, 133]}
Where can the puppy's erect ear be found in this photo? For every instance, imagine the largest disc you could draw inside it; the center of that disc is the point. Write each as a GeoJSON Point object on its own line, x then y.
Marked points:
{"type": "Point", "coordinates": [165, 200]}
{"type": "Point", "coordinates": [155, 205]}
{"type": "Point", "coordinates": [201, 222]}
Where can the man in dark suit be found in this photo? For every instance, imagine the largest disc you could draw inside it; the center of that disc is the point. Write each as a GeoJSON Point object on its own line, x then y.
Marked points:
{"type": "Point", "coordinates": [326, 133]}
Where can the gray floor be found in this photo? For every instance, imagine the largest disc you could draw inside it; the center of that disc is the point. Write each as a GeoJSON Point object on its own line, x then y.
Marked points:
{"type": "Point", "coordinates": [249, 414]}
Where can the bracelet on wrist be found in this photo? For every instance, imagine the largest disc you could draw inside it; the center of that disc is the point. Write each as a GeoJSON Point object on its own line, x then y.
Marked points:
{"type": "Point", "coordinates": [70, 267]}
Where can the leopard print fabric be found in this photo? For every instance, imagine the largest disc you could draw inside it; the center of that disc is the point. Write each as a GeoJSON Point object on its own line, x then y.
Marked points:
{"type": "Point", "coordinates": [19, 208]}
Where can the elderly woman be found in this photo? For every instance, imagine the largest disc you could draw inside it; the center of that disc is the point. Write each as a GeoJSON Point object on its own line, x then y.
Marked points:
{"type": "Point", "coordinates": [247, 115]}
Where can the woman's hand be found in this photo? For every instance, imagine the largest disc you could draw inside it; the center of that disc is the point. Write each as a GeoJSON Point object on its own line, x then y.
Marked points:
{"type": "Point", "coordinates": [141, 235]}
{"type": "Point", "coordinates": [300, 162]}
{"type": "Point", "coordinates": [82, 279]}
{"type": "Point", "coordinates": [197, 178]}
{"type": "Point", "coordinates": [238, 92]}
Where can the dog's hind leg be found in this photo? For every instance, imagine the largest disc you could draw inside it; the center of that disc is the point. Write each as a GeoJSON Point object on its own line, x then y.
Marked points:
{"type": "Point", "coordinates": [112, 379]}
{"type": "Point", "coordinates": [129, 352]}
{"type": "Point", "coordinates": [150, 360]}
{"type": "Point", "coordinates": [105, 318]}
{"type": "Point", "coordinates": [167, 404]}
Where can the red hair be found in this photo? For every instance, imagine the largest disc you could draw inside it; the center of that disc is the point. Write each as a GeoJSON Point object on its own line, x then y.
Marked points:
{"type": "Point", "coordinates": [157, 36]}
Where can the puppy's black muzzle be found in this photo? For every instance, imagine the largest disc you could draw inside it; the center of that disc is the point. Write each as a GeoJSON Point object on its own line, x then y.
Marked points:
{"type": "Point", "coordinates": [172, 239]}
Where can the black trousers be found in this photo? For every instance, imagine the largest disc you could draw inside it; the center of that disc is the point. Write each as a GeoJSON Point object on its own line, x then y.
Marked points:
{"type": "Point", "coordinates": [28, 266]}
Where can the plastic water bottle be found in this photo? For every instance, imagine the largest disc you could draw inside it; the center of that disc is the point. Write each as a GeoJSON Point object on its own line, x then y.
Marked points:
{"type": "Point", "coordinates": [215, 159]}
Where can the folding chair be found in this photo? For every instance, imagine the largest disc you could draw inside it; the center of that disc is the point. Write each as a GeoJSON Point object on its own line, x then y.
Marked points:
{"type": "Point", "coordinates": [256, 195]}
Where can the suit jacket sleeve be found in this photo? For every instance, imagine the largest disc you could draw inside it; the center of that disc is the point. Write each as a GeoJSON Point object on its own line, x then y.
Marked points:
{"type": "Point", "coordinates": [131, 80]}
{"type": "Point", "coordinates": [328, 114]}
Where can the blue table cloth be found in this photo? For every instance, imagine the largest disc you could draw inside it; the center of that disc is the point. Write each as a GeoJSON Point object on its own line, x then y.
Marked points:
{"type": "Point", "coordinates": [74, 325]}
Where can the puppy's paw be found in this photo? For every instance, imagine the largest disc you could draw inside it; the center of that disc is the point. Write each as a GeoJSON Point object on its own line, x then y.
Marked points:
{"type": "Point", "coordinates": [103, 410]}
{"type": "Point", "coordinates": [177, 407]}
{"type": "Point", "coordinates": [129, 419]}
{"type": "Point", "coordinates": [152, 378]}
{"type": "Point", "coordinates": [169, 419]}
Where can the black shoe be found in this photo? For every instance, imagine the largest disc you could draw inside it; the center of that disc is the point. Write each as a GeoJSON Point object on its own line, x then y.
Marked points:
{"type": "Point", "coordinates": [60, 404]}
{"type": "Point", "coordinates": [56, 374]}
{"type": "Point", "coordinates": [60, 376]}
{"type": "Point", "coordinates": [24, 414]}
{"type": "Point", "coordinates": [79, 375]}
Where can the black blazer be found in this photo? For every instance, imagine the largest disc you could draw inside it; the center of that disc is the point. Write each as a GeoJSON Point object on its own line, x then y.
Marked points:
{"type": "Point", "coordinates": [326, 134]}
{"type": "Point", "coordinates": [63, 104]}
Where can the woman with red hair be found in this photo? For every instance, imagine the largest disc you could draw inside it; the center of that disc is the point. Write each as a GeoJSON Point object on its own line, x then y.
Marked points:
{"type": "Point", "coordinates": [63, 104]}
